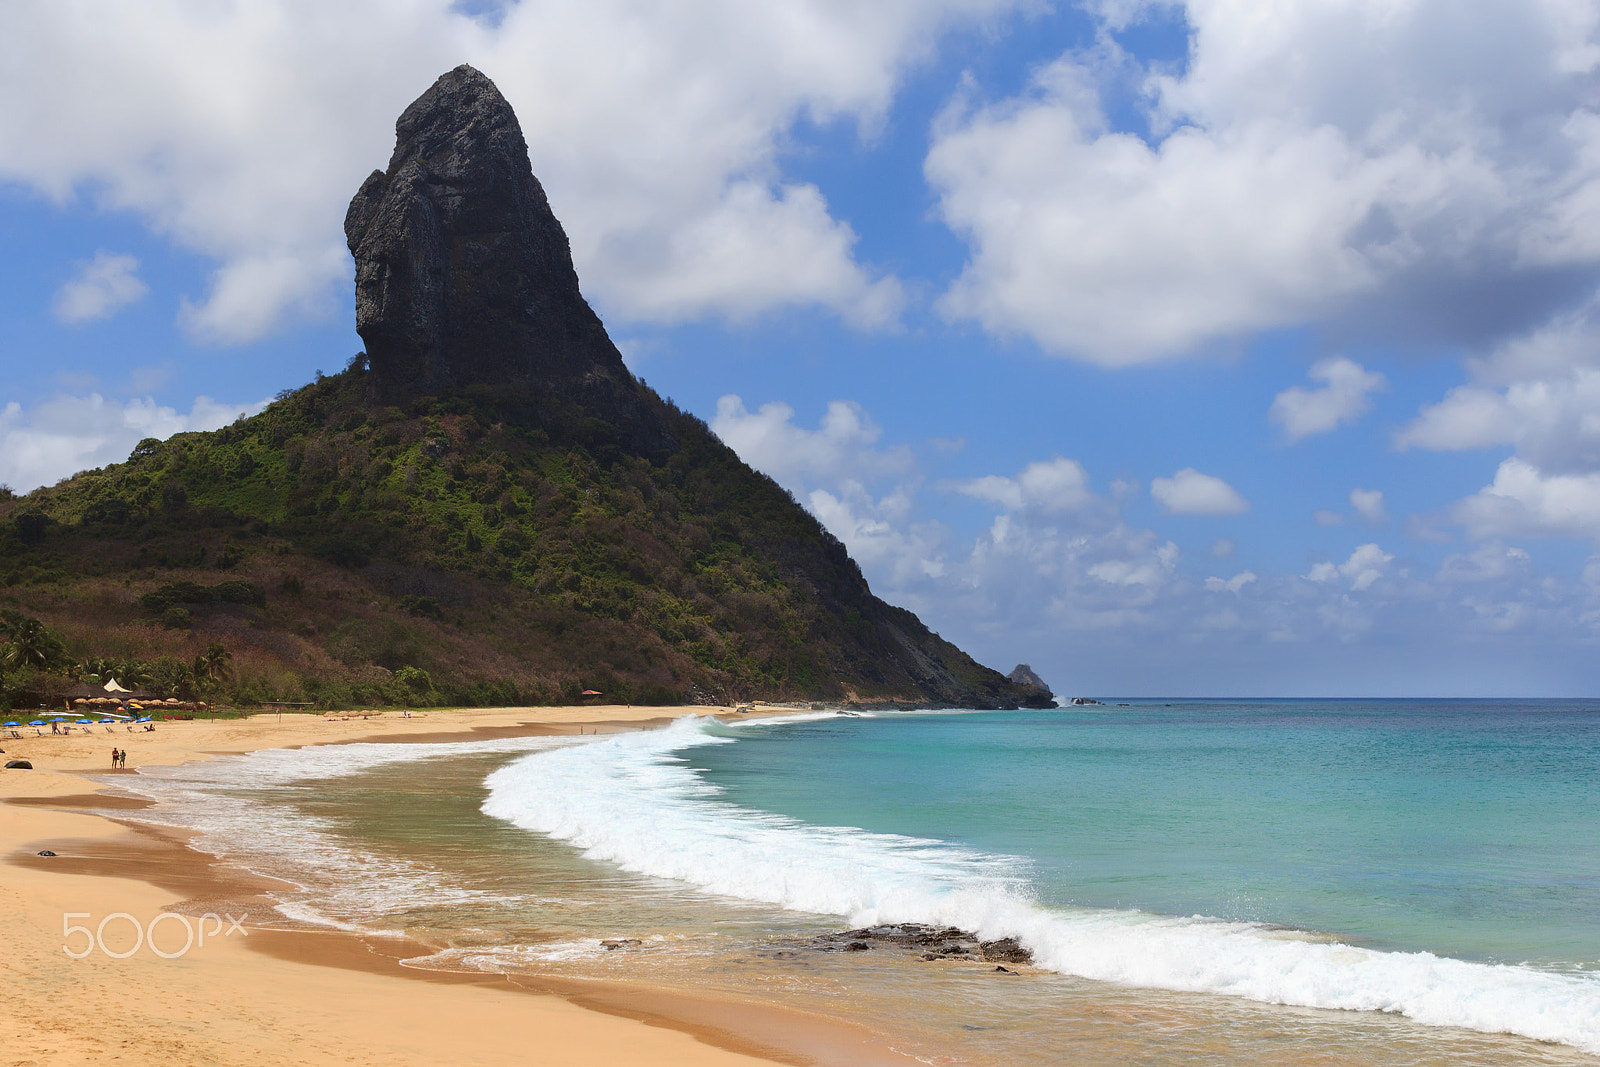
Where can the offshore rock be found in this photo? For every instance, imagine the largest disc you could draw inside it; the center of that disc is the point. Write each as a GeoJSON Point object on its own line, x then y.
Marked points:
{"type": "Point", "coordinates": [1023, 674]}
{"type": "Point", "coordinates": [464, 277]}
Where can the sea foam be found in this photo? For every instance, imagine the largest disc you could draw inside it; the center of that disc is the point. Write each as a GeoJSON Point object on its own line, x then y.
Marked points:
{"type": "Point", "coordinates": [343, 886]}
{"type": "Point", "coordinates": [632, 800]}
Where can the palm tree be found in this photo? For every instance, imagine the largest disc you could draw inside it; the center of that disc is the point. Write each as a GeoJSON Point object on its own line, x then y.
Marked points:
{"type": "Point", "coordinates": [31, 645]}
{"type": "Point", "coordinates": [213, 665]}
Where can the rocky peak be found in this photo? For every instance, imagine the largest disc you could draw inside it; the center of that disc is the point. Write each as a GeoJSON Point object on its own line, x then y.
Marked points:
{"type": "Point", "coordinates": [463, 274]}
{"type": "Point", "coordinates": [1025, 675]}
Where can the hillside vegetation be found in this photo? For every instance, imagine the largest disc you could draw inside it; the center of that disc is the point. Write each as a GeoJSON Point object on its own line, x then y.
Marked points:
{"type": "Point", "coordinates": [484, 547]}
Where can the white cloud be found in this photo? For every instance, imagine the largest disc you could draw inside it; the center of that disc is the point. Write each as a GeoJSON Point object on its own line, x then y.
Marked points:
{"type": "Point", "coordinates": [1368, 503]}
{"type": "Point", "coordinates": [880, 534]}
{"type": "Point", "coordinates": [241, 132]}
{"type": "Point", "coordinates": [1060, 576]}
{"type": "Point", "coordinates": [1343, 396]}
{"type": "Point", "coordinates": [104, 285]}
{"type": "Point", "coordinates": [59, 437]}
{"type": "Point", "coordinates": [1381, 166]}
{"type": "Point", "coordinates": [837, 471]}
{"type": "Point", "coordinates": [841, 449]}
{"type": "Point", "coordinates": [1230, 585]}
{"type": "Point", "coordinates": [1191, 493]}
{"type": "Point", "coordinates": [1327, 517]}
{"type": "Point", "coordinates": [1488, 562]}
{"type": "Point", "coordinates": [1524, 500]}
{"type": "Point", "coordinates": [1539, 392]}
{"type": "Point", "coordinates": [1053, 486]}
{"type": "Point", "coordinates": [1365, 566]}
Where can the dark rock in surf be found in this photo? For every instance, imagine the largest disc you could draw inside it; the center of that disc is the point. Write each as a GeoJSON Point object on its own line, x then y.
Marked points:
{"type": "Point", "coordinates": [930, 943]}
{"type": "Point", "coordinates": [1005, 950]}
{"type": "Point", "coordinates": [18, 765]}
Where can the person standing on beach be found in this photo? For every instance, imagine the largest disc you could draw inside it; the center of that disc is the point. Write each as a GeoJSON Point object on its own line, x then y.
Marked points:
{"type": "Point", "coordinates": [114, 755]}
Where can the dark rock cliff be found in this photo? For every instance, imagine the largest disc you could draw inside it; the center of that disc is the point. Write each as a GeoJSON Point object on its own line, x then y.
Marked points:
{"type": "Point", "coordinates": [464, 276]}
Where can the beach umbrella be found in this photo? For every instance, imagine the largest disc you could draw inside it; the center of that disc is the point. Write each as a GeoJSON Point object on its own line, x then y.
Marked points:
{"type": "Point", "coordinates": [13, 722]}
{"type": "Point", "coordinates": [145, 719]}
{"type": "Point", "coordinates": [84, 722]}
{"type": "Point", "coordinates": [38, 722]}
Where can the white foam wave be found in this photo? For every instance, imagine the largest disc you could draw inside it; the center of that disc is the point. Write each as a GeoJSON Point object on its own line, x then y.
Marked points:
{"type": "Point", "coordinates": [305, 913]}
{"type": "Point", "coordinates": [797, 716]}
{"type": "Point", "coordinates": [339, 885]}
{"type": "Point", "coordinates": [631, 800]}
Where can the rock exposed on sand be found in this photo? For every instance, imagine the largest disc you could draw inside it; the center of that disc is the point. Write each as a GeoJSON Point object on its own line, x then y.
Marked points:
{"type": "Point", "coordinates": [931, 943]}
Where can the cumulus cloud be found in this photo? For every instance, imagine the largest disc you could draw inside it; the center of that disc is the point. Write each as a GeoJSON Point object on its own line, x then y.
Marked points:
{"type": "Point", "coordinates": [841, 449]}
{"type": "Point", "coordinates": [861, 492]}
{"type": "Point", "coordinates": [1368, 503]}
{"type": "Point", "coordinates": [1230, 585]}
{"type": "Point", "coordinates": [59, 437]}
{"type": "Point", "coordinates": [1191, 493]}
{"type": "Point", "coordinates": [1492, 561]}
{"type": "Point", "coordinates": [103, 286]}
{"type": "Point", "coordinates": [1538, 392]}
{"type": "Point", "coordinates": [1365, 566]}
{"type": "Point", "coordinates": [1523, 500]}
{"type": "Point", "coordinates": [1343, 396]}
{"type": "Point", "coordinates": [1060, 576]}
{"type": "Point", "coordinates": [241, 132]}
{"type": "Point", "coordinates": [1053, 486]}
{"type": "Point", "coordinates": [1378, 167]}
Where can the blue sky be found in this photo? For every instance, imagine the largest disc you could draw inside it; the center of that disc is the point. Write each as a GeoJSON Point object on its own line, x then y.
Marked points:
{"type": "Point", "coordinates": [1171, 347]}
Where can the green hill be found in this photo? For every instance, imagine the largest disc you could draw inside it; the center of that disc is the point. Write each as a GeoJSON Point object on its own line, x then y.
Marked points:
{"type": "Point", "coordinates": [328, 543]}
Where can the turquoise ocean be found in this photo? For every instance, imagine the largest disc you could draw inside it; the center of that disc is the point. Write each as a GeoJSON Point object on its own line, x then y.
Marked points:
{"type": "Point", "coordinates": [1339, 882]}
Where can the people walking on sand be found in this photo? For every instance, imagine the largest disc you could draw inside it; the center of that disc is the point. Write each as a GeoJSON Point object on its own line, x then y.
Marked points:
{"type": "Point", "coordinates": [122, 759]}
{"type": "Point", "coordinates": [114, 755]}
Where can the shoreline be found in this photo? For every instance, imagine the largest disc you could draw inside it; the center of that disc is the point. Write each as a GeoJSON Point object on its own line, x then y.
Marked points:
{"type": "Point", "coordinates": [333, 993]}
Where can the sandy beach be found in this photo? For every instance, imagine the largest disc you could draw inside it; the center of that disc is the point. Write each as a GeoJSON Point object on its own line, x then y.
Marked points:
{"type": "Point", "coordinates": [251, 996]}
